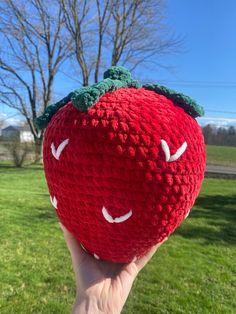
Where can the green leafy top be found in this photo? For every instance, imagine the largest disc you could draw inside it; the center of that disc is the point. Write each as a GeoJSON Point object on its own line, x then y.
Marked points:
{"type": "Point", "coordinates": [114, 78]}
{"type": "Point", "coordinates": [183, 101]}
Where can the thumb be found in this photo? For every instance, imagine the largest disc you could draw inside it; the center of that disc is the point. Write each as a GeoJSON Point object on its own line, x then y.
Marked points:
{"type": "Point", "coordinates": [140, 263]}
{"type": "Point", "coordinates": [74, 247]}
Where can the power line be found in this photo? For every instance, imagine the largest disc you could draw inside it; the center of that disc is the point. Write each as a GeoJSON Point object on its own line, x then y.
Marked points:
{"type": "Point", "coordinates": [12, 116]}
{"type": "Point", "coordinates": [203, 86]}
{"type": "Point", "coordinates": [219, 111]}
{"type": "Point", "coordinates": [200, 84]}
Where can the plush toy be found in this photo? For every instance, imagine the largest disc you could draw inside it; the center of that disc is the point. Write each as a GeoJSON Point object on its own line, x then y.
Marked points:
{"type": "Point", "coordinates": [124, 163]}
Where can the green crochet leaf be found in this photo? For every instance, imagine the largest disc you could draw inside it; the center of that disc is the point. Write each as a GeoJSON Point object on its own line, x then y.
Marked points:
{"type": "Point", "coordinates": [42, 121]}
{"type": "Point", "coordinates": [185, 102]}
{"type": "Point", "coordinates": [86, 97]}
{"type": "Point", "coordinates": [114, 78]}
{"type": "Point", "coordinates": [117, 73]}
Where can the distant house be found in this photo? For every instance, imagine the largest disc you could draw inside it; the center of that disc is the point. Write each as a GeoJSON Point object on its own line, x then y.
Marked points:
{"type": "Point", "coordinates": [20, 133]}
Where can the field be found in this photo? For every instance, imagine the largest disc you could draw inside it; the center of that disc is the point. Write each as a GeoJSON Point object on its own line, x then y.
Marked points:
{"type": "Point", "coordinates": [221, 155]}
{"type": "Point", "coordinates": [193, 272]}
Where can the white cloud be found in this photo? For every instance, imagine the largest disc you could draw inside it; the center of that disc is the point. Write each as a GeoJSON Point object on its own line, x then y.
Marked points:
{"type": "Point", "coordinates": [11, 120]}
{"type": "Point", "coordinates": [218, 122]}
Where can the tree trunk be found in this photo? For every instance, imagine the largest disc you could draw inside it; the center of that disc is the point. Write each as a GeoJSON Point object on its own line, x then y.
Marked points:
{"type": "Point", "coordinates": [38, 153]}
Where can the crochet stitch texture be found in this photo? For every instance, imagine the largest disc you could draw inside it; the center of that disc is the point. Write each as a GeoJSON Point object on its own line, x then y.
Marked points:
{"type": "Point", "coordinates": [125, 172]}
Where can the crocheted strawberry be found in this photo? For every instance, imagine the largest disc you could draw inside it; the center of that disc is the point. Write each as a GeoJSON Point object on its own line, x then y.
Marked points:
{"type": "Point", "coordinates": [124, 163]}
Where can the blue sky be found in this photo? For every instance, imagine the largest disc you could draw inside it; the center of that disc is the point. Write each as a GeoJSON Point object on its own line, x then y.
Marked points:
{"type": "Point", "coordinates": [210, 58]}
{"type": "Point", "coordinates": [206, 69]}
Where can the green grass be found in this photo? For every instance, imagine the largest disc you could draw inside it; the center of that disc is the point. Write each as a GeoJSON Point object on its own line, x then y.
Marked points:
{"type": "Point", "coordinates": [221, 155]}
{"type": "Point", "coordinates": [193, 272]}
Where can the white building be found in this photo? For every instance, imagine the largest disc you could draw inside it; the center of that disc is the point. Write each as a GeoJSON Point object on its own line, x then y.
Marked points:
{"type": "Point", "coordinates": [20, 133]}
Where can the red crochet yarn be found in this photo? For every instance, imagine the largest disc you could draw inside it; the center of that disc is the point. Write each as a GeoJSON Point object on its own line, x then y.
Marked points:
{"type": "Point", "coordinates": [111, 178]}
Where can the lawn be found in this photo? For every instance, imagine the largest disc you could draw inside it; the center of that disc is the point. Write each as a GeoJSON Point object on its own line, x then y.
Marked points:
{"type": "Point", "coordinates": [221, 155]}
{"type": "Point", "coordinates": [193, 272]}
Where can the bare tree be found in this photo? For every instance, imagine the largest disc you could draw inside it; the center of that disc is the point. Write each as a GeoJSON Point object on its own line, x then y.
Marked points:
{"type": "Point", "coordinates": [1, 124]}
{"type": "Point", "coordinates": [18, 151]}
{"type": "Point", "coordinates": [37, 36]}
{"type": "Point", "coordinates": [34, 46]}
{"type": "Point", "coordinates": [111, 32]}
{"type": "Point", "coordinates": [76, 12]}
{"type": "Point", "coordinates": [224, 136]}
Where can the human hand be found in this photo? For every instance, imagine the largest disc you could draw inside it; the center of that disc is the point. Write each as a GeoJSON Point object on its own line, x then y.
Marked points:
{"type": "Point", "coordinates": [101, 286]}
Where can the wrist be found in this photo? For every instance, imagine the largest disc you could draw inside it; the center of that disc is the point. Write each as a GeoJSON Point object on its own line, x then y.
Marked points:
{"type": "Point", "coordinates": [86, 305]}
{"type": "Point", "coordinates": [92, 305]}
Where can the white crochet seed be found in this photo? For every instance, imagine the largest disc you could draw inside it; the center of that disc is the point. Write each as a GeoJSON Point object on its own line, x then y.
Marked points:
{"type": "Point", "coordinates": [179, 152]}
{"type": "Point", "coordinates": [57, 152]}
{"type": "Point", "coordinates": [96, 256]}
{"type": "Point", "coordinates": [109, 218]}
{"type": "Point", "coordinates": [53, 201]}
{"type": "Point", "coordinates": [187, 214]}
{"type": "Point", "coordinates": [83, 247]}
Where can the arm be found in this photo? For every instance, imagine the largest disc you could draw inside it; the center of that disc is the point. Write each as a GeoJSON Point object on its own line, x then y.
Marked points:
{"type": "Point", "coordinates": [101, 286]}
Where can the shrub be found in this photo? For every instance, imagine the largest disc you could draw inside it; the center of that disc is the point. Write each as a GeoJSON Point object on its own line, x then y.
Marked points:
{"type": "Point", "coordinates": [18, 151]}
